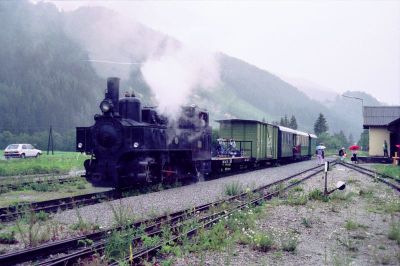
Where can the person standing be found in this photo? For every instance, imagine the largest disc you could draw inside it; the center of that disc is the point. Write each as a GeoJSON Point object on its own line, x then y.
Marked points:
{"type": "Point", "coordinates": [354, 157]}
{"type": "Point", "coordinates": [385, 149]}
{"type": "Point", "coordinates": [320, 153]}
{"type": "Point", "coordinates": [342, 154]}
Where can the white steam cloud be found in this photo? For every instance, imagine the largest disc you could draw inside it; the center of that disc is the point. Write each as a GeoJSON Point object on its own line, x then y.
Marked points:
{"type": "Point", "coordinates": [177, 74]}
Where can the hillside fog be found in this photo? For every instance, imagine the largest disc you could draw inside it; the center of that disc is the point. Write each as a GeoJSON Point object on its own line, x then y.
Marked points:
{"type": "Point", "coordinates": [48, 76]}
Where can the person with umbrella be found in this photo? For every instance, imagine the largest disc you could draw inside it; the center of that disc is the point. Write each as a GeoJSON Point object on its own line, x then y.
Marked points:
{"type": "Point", "coordinates": [354, 148]}
{"type": "Point", "coordinates": [320, 153]}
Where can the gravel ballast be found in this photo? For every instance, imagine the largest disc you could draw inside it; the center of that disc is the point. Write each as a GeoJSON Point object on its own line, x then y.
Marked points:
{"type": "Point", "coordinates": [180, 198]}
{"type": "Point", "coordinates": [350, 229]}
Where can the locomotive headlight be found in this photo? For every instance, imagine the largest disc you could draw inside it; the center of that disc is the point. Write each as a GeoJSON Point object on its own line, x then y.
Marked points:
{"type": "Point", "coordinates": [80, 145]}
{"type": "Point", "coordinates": [136, 144]}
{"type": "Point", "coordinates": [105, 106]}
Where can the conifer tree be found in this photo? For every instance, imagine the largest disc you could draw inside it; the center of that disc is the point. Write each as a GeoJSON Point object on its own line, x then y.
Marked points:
{"type": "Point", "coordinates": [293, 122]}
{"type": "Point", "coordinates": [320, 126]}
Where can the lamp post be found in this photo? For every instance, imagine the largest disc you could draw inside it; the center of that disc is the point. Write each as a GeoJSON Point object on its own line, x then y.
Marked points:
{"type": "Point", "coordinates": [357, 98]}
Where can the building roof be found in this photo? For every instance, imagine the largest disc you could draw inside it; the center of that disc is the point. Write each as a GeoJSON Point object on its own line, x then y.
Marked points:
{"type": "Point", "coordinates": [380, 116]}
{"type": "Point", "coordinates": [286, 129]}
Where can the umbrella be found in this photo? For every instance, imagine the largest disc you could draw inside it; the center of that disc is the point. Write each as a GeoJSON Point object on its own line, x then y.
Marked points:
{"type": "Point", "coordinates": [354, 147]}
{"type": "Point", "coordinates": [321, 147]}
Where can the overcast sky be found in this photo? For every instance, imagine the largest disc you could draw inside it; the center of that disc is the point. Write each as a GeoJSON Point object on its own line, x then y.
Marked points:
{"type": "Point", "coordinates": [341, 45]}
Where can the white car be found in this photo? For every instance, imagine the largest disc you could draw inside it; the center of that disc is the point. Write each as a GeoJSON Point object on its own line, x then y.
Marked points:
{"type": "Point", "coordinates": [21, 151]}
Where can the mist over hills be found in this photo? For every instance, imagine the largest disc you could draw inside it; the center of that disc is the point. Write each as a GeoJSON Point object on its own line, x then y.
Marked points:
{"type": "Point", "coordinates": [46, 76]}
{"type": "Point", "coordinates": [41, 74]}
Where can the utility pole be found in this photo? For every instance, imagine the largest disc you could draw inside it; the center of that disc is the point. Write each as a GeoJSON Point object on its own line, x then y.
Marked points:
{"type": "Point", "coordinates": [50, 142]}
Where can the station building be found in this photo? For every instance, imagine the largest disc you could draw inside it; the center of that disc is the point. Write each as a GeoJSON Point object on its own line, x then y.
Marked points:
{"type": "Point", "coordinates": [383, 123]}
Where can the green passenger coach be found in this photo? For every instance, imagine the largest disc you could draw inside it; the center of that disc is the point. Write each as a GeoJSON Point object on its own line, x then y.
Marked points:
{"type": "Point", "coordinates": [259, 140]}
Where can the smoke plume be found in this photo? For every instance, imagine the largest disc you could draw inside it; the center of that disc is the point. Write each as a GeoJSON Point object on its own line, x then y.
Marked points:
{"type": "Point", "coordinates": [177, 74]}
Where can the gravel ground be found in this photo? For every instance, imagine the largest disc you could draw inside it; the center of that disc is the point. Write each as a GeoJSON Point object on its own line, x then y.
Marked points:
{"type": "Point", "coordinates": [326, 240]}
{"type": "Point", "coordinates": [171, 200]}
{"type": "Point", "coordinates": [149, 205]}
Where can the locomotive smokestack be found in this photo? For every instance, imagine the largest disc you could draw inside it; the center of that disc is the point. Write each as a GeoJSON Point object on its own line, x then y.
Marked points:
{"type": "Point", "coordinates": [112, 93]}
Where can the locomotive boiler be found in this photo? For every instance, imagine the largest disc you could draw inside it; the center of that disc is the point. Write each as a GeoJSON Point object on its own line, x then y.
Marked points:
{"type": "Point", "coordinates": [129, 144]}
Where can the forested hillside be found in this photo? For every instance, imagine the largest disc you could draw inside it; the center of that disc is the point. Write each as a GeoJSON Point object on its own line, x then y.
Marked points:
{"type": "Point", "coordinates": [43, 80]}
{"type": "Point", "coordinates": [47, 76]}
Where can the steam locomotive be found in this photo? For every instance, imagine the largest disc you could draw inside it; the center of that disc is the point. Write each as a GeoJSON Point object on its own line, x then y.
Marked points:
{"type": "Point", "coordinates": [130, 144]}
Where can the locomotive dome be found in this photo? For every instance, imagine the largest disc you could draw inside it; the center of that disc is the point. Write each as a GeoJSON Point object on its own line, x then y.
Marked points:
{"type": "Point", "coordinates": [130, 108]}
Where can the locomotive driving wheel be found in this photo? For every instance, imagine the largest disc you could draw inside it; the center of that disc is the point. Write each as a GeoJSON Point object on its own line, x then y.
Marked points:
{"type": "Point", "coordinates": [169, 173]}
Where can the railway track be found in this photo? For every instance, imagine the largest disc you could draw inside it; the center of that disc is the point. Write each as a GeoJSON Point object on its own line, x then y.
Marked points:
{"type": "Point", "coordinates": [386, 179]}
{"type": "Point", "coordinates": [68, 251]}
{"type": "Point", "coordinates": [16, 184]}
{"type": "Point", "coordinates": [51, 206]}
{"type": "Point", "coordinates": [25, 176]}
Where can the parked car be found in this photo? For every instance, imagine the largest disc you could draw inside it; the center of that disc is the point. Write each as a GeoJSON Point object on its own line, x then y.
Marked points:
{"type": "Point", "coordinates": [21, 151]}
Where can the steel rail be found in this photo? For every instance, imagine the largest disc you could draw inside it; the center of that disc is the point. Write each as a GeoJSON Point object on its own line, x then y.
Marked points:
{"type": "Point", "coordinates": [13, 212]}
{"type": "Point", "coordinates": [26, 176]}
{"type": "Point", "coordinates": [73, 243]}
{"type": "Point", "coordinates": [15, 185]}
{"type": "Point", "coordinates": [375, 175]}
{"type": "Point", "coordinates": [374, 172]}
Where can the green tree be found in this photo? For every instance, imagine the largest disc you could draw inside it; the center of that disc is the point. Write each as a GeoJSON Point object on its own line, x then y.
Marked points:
{"type": "Point", "coordinates": [320, 126]}
{"type": "Point", "coordinates": [293, 122]}
{"type": "Point", "coordinates": [364, 140]}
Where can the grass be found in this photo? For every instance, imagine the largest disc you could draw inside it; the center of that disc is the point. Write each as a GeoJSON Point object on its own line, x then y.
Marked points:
{"type": "Point", "coordinates": [289, 243]}
{"type": "Point", "coordinates": [233, 188]}
{"type": "Point", "coordinates": [342, 196]}
{"type": "Point", "coordinates": [119, 243]}
{"type": "Point", "coordinates": [59, 163]}
{"type": "Point", "coordinates": [390, 206]}
{"type": "Point", "coordinates": [122, 215]}
{"type": "Point", "coordinates": [263, 242]}
{"type": "Point", "coordinates": [8, 238]}
{"type": "Point", "coordinates": [394, 232]}
{"type": "Point", "coordinates": [297, 199]}
{"type": "Point", "coordinates": [42, 192]}
{"type": "Point", "coordinates": [30, 229]}
{"type": "Point", "coordinates": [306, 222]}
{"type": "Point", "coordinates": [390, 170]}
{"type": "Point", "coordinates": [317, 194]}
{"type": "Point", "coordinates": [81, 225]}
{"type": "Point", "coordinates": [348, 243]}
{"type": "Point", "coordinates": [351, 225]}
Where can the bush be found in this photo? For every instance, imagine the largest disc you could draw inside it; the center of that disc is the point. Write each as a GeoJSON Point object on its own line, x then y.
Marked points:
{"type": "Point", "coordinates": [316, 194]}
{"type": "Point", "coordinates": [8, 238]}
{"type": "Point", "coordinates": [263, 242]}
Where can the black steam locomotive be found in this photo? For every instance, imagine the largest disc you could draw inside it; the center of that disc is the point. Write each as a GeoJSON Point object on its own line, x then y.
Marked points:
{"type": "Point", "coordinates": [130, 144]}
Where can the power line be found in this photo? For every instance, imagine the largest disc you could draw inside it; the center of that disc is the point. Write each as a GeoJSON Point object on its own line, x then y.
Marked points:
{"type": "Point", "coordinates": [111, 62]}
